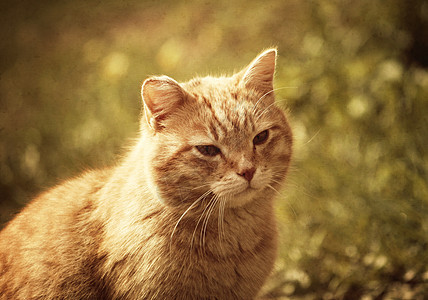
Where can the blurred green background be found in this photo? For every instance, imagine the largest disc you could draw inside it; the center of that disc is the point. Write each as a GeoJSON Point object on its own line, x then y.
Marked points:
{"type": "Point", "coordinates": [354, 214]}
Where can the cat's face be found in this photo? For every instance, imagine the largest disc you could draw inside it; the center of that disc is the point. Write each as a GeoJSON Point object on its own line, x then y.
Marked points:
{"type": "Point", "coordinates": [217, 138]}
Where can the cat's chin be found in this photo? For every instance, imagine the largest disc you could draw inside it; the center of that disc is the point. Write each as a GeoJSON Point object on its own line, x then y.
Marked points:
{"type": "Point", "coordinates": [242, 198]}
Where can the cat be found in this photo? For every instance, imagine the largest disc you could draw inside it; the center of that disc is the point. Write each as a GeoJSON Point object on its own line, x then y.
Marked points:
{"type": "Point", "coordinates": [187, 214]}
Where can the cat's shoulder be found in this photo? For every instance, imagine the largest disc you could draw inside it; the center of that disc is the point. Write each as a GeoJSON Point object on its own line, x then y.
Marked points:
{"type": "Point", "coordinates": [83, 186]}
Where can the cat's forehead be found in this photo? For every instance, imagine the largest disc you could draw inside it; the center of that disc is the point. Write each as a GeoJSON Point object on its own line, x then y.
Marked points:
{"type": "Point", "coordinates": [224, 94]}
{"type": "Point", "coordinates": [227, 112]}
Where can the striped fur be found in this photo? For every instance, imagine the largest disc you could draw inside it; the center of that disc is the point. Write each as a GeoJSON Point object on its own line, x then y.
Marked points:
{"type": "Point", "coordinates": [168, 222]}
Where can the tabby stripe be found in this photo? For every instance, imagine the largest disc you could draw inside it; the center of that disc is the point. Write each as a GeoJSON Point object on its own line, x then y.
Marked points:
{"type": "Point", "coordinates": [234, 95]}
{"type": "Point", "coordinates": [213, 131]}
{"type": "Point", "coordinates": [249, 123]}
{"type": "Point", "coordinates": [151, 215]}
{"type": "Point", "coordinates": [220, 124]}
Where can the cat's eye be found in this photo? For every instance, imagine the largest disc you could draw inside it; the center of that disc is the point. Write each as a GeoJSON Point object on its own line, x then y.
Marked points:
{"type": "Point", "coordinates": [261, 137]}
{"type": "Point", "coordinates": [208, 150]}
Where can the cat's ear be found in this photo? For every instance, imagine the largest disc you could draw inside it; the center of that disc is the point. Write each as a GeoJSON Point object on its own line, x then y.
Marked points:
{"type": "Point", "coordinates": [161, 95]}
{"type": "Point", "coordinates": [259, 73]}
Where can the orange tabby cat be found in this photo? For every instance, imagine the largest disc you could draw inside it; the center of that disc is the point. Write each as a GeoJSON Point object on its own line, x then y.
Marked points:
{"type": "Point", "coordinates": [188, 214]}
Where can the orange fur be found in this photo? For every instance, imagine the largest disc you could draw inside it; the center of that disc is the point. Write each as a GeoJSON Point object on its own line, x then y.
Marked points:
{"type": "Point", "coordinates": [188, 214]}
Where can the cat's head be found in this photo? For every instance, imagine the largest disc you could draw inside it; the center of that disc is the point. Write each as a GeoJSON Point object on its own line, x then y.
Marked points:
{"type": "Point", "coordinates": [216, 137]}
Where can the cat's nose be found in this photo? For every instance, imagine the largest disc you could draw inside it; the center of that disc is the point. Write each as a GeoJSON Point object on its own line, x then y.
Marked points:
{"type": "Point", "coordinates": [247, 173]}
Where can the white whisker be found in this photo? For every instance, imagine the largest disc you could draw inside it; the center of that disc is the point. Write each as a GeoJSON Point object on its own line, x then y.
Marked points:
{"type": "Point", "coordinates": [201, 186]}
{"type": "Point", "coordinates": [199, 220]}
{"type": "Point", "coordinates": [221, 233]}
{"type": "Point", "coordinates": [276, 181]}
{"type": "Point", "coordinates": [265, 94]}
{"type": "Point", "coordinates": [274, 189]}
{"type": "Point", "coordinates": [202, 197]}
{"type": "Point", "coordinates": [292, 208]}
{"type": "Point", "coordinates": [310, 140]}
{"type": "Point", "coordinates": [260, 114]}
{"type": "Point", "coordinates": [206, 220]}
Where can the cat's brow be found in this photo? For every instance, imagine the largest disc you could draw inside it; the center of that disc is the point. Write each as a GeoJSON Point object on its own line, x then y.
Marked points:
{"type": "Point", "coordinates": [201, 140]}
{"type": "Point", "coordinates": [215, 118]}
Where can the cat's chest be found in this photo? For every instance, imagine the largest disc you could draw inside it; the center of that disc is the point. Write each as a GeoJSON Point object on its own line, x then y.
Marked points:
{"type": "Point", "coordinates": [226, 267]}
{"type": "Point", "coordinates": [228, 259]}
{"type": "Point", "coordinates": [200, 273]}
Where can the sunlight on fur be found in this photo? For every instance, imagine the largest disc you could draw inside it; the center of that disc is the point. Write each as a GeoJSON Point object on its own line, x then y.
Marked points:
{"type": "Point", "coordinates": [187, 214]}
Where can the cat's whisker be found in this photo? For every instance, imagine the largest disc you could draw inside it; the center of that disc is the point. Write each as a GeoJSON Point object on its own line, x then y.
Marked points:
{"type": "Point", "coordinates": [260, 99]}
{"type": "Point", "coordinates": [312, 138]}
{"type": "Point", "coordinates": [271, 91]}
{"type": "Point", "coordinates": [221, 233]}
{"type": "Point", "coordinates": [203, 196]}
{"type": "Point", "coordinates": [279, 174]}
{"type": "Point", "coordinates": [201, 186]}
{"type": "Point", "coordinates": [222, 217]}
{"type": "Point", "coordinates": [206, 220]}
{"type": "Point", "coordinates": [199, 220]}
{"type": "Point", "coordinates": [259, 115]}
{"type": "Point", "coordinates": [288, 203]}
{"type": "Point", "coordinates": [274, 189]}
{"type": "Point", "coordinates": [276, 181]}
{"type": "Point", "coordinates": [301, 189]}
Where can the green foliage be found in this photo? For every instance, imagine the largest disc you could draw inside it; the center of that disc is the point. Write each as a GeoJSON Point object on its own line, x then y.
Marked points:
{"type": "Point", "coordinates": [353, 74]}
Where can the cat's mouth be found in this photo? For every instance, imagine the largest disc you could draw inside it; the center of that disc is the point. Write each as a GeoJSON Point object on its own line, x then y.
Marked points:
{"type": "Point", "coordinates": [238, 193]}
